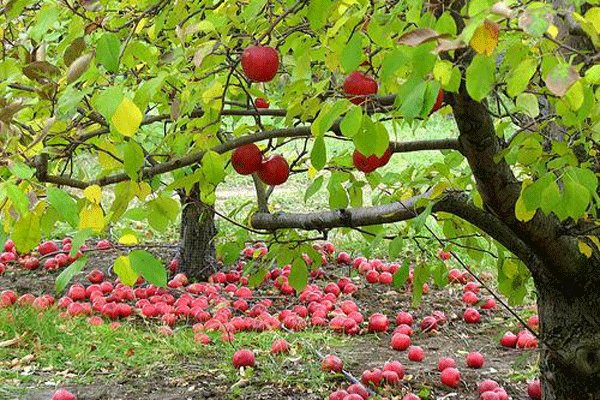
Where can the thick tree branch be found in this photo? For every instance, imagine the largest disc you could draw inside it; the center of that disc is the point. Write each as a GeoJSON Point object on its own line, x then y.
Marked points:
{"type": "Point", "coordinates": [455, 203]}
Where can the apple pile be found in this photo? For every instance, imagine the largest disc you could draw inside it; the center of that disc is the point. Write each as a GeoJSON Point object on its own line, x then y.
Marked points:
{"type": "Point", "coordinates": [248, 159]}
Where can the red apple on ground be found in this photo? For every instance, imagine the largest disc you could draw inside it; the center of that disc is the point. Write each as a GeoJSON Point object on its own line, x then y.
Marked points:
{"type": "Point", "coordinates": [451, 377]}
{"type": "Point", "coordinates": [47, 247]}
{"type": "Point", "coordinates": [332, 363]}
{"type": "Point", "coordinates": [534, 390]}
{"type": "Point", "coordinates": [63, 394]}
{"type": "Point", "coordinates": [400, 342]}
{"type": "Point", "coordinates": [244, 358]}
{"type": "Point", "coordinates": [446, 362]}
{"type": "Point", "coordinates": [475, 360]}
{"type": "Point", "coordinates": [416, 354]}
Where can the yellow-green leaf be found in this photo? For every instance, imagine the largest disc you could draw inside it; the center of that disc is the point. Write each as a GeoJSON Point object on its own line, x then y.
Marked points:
{"type": "Point", "coordinates": [93, 194]}
{"type": "Point", "coordinates": [127, 118]}
{"type": "Point", "coordinates": [124, 271]}
{"type": "Point", "coordinates": [485, 38]}
{"type": "Point", "coordinates": [92, 217]}
{"type": "Point", "coordinates": [584, 248]}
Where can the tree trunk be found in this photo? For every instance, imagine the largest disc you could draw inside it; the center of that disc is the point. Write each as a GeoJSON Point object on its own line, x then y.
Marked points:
{"type": "Point", "coordinates": [570, 326]}
{"type": "Point", "coordinates": [197, 258]}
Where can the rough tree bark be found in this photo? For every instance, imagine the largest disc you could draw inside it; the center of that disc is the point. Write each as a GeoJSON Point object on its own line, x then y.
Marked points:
{"type": "Point", "coordinates": [197, 257]}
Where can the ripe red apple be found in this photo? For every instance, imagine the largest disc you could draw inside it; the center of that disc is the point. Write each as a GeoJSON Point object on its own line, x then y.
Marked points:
{"type": "Point", "coordinates": [411, 396]}
{"type": "Point", "coordinates": [471, 316]}
{"type": "Point", "coordinates": [244, 358]}
{"type": "Point", "coordinates": [488, 304]}
{"type": "Point", "coordinates": [371, 163]}
{"type": "Point", "coordinates": [63, 394]}
{"type": "Point", "coordinates": [9, 246]}
{"type": "Point", "coordinates": [534, 322]}
{"type": "Point", "coordinates": [489, 396]}
{"type": "Point", "coordinates": [47, 247]}
{"type": "Point", "coordinates": [338, 395]}
{"type": "Point", "coordinates": [344, 258]}
{"type": "Point", "coordinates": [475, 360]}
{"type": "Point", "coordinates": [470, 298]}
{"type": "Point", "coordinates": [386, 278]}
{"type": "Point", "coordinates": [416, 353]}
{"type": "Point", "coordinates": [438, 101]}
{"type": "Point", "coordinates": [103, 245]}
{"type": "Point", "coordinates": [358, 85]}
{"type": "Point", "coordinates": [246, 159]}
{"type": "Point", "coordinates": [274, 170]}
{"type": "Point", "coordinates": [444, 255]}
{"type": "Point", "coordinates": [404, 317]}
{"type": "Point", "coordinates": [358, 389]}
{"type": "Point", "coordinates": [429, 323]}
{"type": "Point", "coordinates": [534, 390]}
{"type": "Point", "coordinates": [400, 342]}
{"type": "Point", "coordinates": [261, 103]}
{"type": "Point", "coordinates": [451, 377]}
{"type": "Point", "coordinates": [2, 268]}
{"type": "Point", "coordinates": [354, 396]}
{"type": "Point", "coordinates": [391, 378]}
{"type": "Point", "coordinates": [95, 276]}
{"type": "Point", "coordinates": [446, 362]}
{"type": "Point", "coordinates": [526, 340]}
{"type": "Point", "coordinates": [509, 340]}
{"type": "Point", "coordinates": [332, 363]}
{"type": "Point", "coordinates": [487, 385]}
{"type": "Point", "coordinates": [396, 367]}
{"type": "Point", "coordinates": [280, 346]}
{"type": "Point", "coordinates": [372, 276]}
{"type": "Point", "coordinates": [260, 63]}
{"type": "Point", "coordinates": [30, 263]}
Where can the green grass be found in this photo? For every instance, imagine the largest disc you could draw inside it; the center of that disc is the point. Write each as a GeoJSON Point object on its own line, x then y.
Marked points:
{"type": "Point", "coordinates": [87, 352]}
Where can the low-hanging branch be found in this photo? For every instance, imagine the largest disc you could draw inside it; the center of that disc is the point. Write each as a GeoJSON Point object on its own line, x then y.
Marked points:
{"type": "Point", "coordinates": [194, 158]}
{"type": "Point", "coordinates": [456, 203]}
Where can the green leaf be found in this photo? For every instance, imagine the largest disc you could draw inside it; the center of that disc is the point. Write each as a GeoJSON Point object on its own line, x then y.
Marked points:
{"type": "Point", "coordinates": [21, 170]}
{"type": "Point", "coordinates": [79, 240]}
{"type": "Point", "coordinates": [518, 80]}
{"type": "Point", "coordinates": [125, 271]}
{"type": "Point", "coordinates": [318, 11]}
{"type": "Point", "coordinates": [373, 138]}
{"type": "Point", "coordinates": [411, 97]}
{"type": "Point", "coordinates": [162, 212]}
{"type": "Point", "coordinates": [351, 122]}
{"type": "Point", "coordinates": [314, 187]}
{"type": "Point", "coordinates": [19, 199]}
{"type": "Point", "coordinates": [27, 233]}
{"type": "Point", "coordinates": [298, 277]}
{"type": "Point", "coordinates": [401, 275]}
{"type": "Point", "coordinates": [420, 220]}
{"type": "Point", "coordinates": [133, 158]}
{"type": "Point", "coordinates": [530, 151]}
{"type": "Point", "coordinates": [528, 103]}
{"type": "Point", "coordinates": [149, 267]}
{"type": "Point", "coordinates": [256, 278]}
{"type": "Point", "coordinates": [337, 196]}
{"type": "Point", "coordinates": [328, 115]}
{"type": "Point", "coordinates": [395, 247]}
{"type": "Point", "coordinates": [352, 53]}
{"type": "Point", "coordinates": [480, 76]}
{"type": "Point", "coordinates": [532, 194]}
{"type": "Point", "coordinates": [108, 49]}
{"type": "Point", "coordinates": [213, 167]}
{"type": "Point", "coordinates": [318, 154]}
{"type": "Point", "coordinates": [68, 273]}
{"type": "Point", "coordinates": [45, 17]}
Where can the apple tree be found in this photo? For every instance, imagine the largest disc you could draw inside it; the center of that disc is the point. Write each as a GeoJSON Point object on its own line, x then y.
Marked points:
{"type": "Point", "coordinates": [108, 108]}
